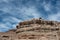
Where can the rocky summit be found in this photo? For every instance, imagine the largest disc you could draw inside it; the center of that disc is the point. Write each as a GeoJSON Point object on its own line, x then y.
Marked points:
{"type": "Point", "coordinates": [34, 29]}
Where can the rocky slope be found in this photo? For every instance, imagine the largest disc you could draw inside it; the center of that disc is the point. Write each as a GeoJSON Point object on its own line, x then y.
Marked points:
{"type": "Point", "coordinates": [34, 29]}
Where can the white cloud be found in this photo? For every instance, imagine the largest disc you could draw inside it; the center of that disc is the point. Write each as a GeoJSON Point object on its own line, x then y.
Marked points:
{"type": "Point", "coordinates": [30, 11]}
{"type": "Point", "coordinates": [55, 17]}
{"type": "Point", "coordinates": [7, 26]}
{"type": "Point", "coordinates": [8, 23]}
{"type": "Point", "coordinates": [47, 7]}
{"type": "Point", "coordinates": [24, 11]}
{"type": "Point", "coordinates": [5, 1]}
{"type": "Point", "coordinates": [11, 19]}
{"type": "Point", "coordinates": [3, 25]}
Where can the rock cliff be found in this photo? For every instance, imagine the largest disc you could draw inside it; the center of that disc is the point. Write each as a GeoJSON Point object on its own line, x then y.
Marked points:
{"type": "Point", "coordinates": [34, 29]}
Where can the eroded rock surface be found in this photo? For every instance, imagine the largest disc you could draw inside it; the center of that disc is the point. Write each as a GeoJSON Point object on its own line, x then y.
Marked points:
{"type": "Point", "coordinates": [35, 29]}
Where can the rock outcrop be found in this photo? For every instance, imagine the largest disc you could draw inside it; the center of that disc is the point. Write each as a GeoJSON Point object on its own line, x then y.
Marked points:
{"type": "Point", "coordinates": [35, 29]}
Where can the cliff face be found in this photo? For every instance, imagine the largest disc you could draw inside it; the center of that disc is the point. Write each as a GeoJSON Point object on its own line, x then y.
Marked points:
{"type": "Point", "coordinates": [35, 29]}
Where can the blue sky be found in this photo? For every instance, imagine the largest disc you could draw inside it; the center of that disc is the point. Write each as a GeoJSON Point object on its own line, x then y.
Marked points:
{"type": "Point", "coordinates": [14, 11]}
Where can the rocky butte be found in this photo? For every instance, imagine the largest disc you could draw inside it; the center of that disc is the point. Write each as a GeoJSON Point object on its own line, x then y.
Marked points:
{"type": "Point", "coordinates": [34, 29]}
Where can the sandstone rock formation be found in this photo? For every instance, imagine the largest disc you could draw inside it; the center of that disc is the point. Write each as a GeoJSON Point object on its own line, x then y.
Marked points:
{"type": "Point", "coordinates": [35, 29]}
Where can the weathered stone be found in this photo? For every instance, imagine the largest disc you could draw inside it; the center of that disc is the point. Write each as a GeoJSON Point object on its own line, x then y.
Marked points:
{"type": "Point", "coordinates": [35, 29]}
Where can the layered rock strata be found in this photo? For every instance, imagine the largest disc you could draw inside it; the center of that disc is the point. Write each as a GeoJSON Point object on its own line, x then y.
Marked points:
{"type": "Point", "coordinates": [35, 29]}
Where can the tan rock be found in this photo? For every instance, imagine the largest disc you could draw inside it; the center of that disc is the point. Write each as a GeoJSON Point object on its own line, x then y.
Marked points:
{"type": "Point", "coordinates": [35, 29]}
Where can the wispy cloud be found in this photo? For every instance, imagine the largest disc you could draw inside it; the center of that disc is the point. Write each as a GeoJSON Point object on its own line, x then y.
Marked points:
{"type": "Point", "coordinates": [5, 1]}
{"type": "Point", "coordinates": [24, 13]}
{"type": "Point", "coordinates": [15, 11]}
{"type": "Point", "coordinates": [55, 17]}
{"type": "Point", "coordinates": [3, 27]}
{"type": "Point", "coordinates": [30, 11]}
{"type": "Point", "coordinates": [47, 7]}
{"type": "Point", "coordinates": [11, 19]}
